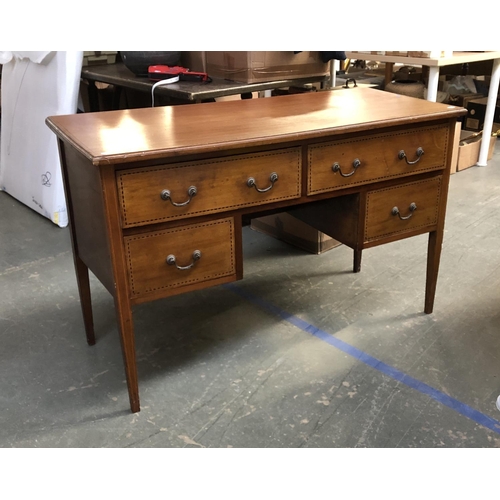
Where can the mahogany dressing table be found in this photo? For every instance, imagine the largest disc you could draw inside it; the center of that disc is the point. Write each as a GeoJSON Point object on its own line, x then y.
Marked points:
{"type": "Point", "coordinates": [157, 197]}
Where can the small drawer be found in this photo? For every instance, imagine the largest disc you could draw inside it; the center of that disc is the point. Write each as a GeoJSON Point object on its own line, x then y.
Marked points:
{"type": "Point", "coordinates": [338, 164]}
{"type": "Point", "coordinates": [180, 256]}
{"type": "Point", "coordinates": [177, 191]}
{"type": "Point", "coordinates": [402, 209]}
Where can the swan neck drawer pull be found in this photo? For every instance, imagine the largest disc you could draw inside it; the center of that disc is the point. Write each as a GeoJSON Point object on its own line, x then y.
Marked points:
{"type": "Point", "coordinates": [171, 261]}
{"type": "Point", "coordinates": [273, 178]}
{"type": "Point", "coordinates": [402, 156]}
{"type": "Point", "coordinates": [355, 164]}
{"type": "Point", "coordinates": [412, 208]}
{"type": "Point", "coordinates": [165, 195]}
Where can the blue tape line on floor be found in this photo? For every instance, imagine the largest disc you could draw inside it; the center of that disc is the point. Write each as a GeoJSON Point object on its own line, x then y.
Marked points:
{"type": "Point", "coordinates": [440, 397]}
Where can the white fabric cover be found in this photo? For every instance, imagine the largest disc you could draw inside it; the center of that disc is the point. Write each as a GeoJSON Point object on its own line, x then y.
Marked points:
{"type": "Point", "coordinates": [35, 85]}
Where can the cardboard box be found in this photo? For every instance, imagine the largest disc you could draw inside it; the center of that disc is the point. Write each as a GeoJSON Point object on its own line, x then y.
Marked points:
{"type": "Point", "coordinates": [476, 111]}
{"type": "Point", "coordinates": [99, 57]}
{"type": "Point", "coordinates": [430, 53]}
{"type": "Point", "coordinates": [285, 227]}
{"type": "Point", "coordinates": [254, 67]}
{"type": "Point", "coordinates": [463, 99]}
{"type": "Point", "coordinates": [194, 61]}
{"type": "Point", "coordinates": [468, 151]}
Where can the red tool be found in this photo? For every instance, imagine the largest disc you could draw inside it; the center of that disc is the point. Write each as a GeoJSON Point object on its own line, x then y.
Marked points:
{"type": "Point", "coordinates": [161, 72]}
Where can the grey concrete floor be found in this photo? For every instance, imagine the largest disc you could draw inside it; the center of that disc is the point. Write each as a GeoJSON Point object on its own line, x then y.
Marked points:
{"type": "Point", "coordinates": [300, 353]}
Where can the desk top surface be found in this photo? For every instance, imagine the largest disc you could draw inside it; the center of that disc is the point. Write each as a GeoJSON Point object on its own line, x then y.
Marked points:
{"type": "Point", "coordinates": [149, 133]}
{"type": "Point", "coordinates": [456, 58]}
{"type": "Point", "coordinates": [119, 74]}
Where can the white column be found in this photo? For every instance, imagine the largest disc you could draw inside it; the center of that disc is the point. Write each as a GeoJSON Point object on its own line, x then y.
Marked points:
{"type": "Point", "coordinates": [490, 111]}
{"type": "Point", "coordinates": [334, 67]}
{"type": "Point", "coordinates": [432, 85]}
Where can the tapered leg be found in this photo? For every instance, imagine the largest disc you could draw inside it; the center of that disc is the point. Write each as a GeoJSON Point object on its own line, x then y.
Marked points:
{"type": "Point", "coordinates": [357, 261]}
{"type": "Point", "coordinates": [93, 96]}
{"type": "Point", "coordinates": [126, 330]}
{"type": "Point", "coordinates": [82, 278]}
{"type": "Point", "coordinates": [389, 70]}
{"type": "Point", "coordinates": [116, 97]}
{"type": "Point", "coordinates": [433, 257]}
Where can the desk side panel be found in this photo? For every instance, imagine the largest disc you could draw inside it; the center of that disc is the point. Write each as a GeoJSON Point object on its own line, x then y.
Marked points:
{"type": "Point", "coordinates": [337, 217]}
{"type": "Point", "coordinates": [87, 206]}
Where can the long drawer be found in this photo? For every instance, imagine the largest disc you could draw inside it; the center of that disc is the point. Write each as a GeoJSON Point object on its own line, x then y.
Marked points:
{"type": "Point", "coordinates": [407, 208]}
{"type": "Point", "coordinates": [176, 191]}
{"type": "Point", "coordinates": [181, 256]}
{"type": "Point", "coordinates": [338, 164]}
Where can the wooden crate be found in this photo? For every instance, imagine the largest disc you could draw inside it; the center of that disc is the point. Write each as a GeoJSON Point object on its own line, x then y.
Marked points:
{"type": "Point", "coordinates": [285, 227]}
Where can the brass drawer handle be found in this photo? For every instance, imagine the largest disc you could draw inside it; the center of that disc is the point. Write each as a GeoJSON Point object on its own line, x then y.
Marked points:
{"type": "Point", "coordinates": [412, 208]}
{"type": "Point", "coordinates": [171, 261]}
{"type": "Point", "coordinates": [165, 195]}
{"type": "Point", "coordinates": [273, 178]}
{"type": "Point", "coordinates": [419, 153]}
{"type": "Point", "coordinates": [336, 168]}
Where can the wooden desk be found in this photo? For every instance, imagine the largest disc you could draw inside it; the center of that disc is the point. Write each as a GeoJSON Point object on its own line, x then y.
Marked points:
{"type": "Point", "coordinates": [434, 64]}
{"type": "Point", "coordinates": [191, 92]}
{"type": "Point", "coordinates": [157, 197]}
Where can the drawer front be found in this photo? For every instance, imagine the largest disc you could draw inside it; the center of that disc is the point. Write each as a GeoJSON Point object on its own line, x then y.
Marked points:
{"type": "Point", "coordinates": [333, 165]}
{"type": "Point", "coordinates": [148, 254]}
{"type": "Point", "coordinates": [401, 209]}
{"type": "Point", "coordinates": [220, 184]}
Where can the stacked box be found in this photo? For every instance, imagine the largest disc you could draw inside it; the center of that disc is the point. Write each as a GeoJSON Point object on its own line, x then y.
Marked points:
{"type": "Point", "coordinates": [476, 112]}
{"type": "Point", "coordinates": [98, 57]}
{"type": "Point", "coordinates": [194, 61]}
{"type": "Point", "coordinates": [255, 67]}
{"type": "Point", "coordinates": [468, 150]}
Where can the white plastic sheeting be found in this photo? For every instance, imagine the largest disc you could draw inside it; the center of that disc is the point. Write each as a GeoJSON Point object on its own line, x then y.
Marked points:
{"type": "Point", "coordinates": [35, 85]}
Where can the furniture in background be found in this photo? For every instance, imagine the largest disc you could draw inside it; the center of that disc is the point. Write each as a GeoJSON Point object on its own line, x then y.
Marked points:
{"type": "Point", "coordinates": [434, 64]}
{"type": "Point", "coordinates": [36, 84]}
{"type": "Point", "coordinates": [184, 91]}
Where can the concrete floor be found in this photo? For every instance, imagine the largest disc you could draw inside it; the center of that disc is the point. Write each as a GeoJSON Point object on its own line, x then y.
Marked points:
{"type": "Point", "coordinates": [301, 353]}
